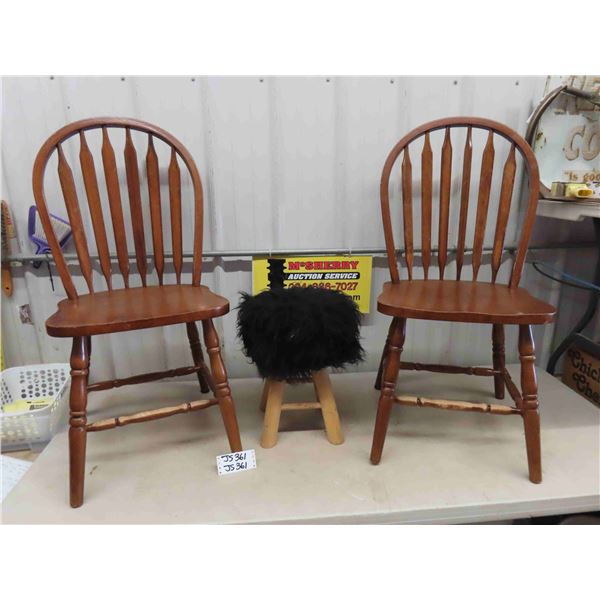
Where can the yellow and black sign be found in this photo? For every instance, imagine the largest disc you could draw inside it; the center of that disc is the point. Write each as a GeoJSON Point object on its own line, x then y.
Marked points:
{"type": "Point", "coordinates": [348, 274]}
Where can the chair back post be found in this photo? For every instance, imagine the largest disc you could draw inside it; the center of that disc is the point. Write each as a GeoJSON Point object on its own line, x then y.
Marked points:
{"type": "Point", "coordinates": [516, 141]}
{"type": "Point", "coordinates": [109, 162]}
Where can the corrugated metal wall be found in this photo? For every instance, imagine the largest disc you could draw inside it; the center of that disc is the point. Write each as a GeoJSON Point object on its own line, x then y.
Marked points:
{"type": "Point", "coordinates": [286, 163]}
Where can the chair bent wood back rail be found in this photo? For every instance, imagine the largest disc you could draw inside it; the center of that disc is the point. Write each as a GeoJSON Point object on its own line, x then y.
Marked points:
{"type": "Point", "coordinates": [83, 315]}
{"type": "Point", "coordinates": [458, 299]}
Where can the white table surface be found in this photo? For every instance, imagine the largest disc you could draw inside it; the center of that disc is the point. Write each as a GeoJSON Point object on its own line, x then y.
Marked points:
{"type": "Point", "coordinates": [569, 211]}
{"type": "Point", "coordinates": [437, 467]}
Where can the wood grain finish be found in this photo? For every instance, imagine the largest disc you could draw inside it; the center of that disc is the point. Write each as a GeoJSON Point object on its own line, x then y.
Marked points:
{"type": "Point", "coordinates": [426, 200]}
{"type": "Point", "coordinates": [379, 378]}
{"type": "Point", "coordinates": [464, 301]}
{"type": "Point", "coordinates": [136, 308]}
{"type": "Point", "coordinates": [99, 312]}
{"type": "Point", "coordinates": [116, 208]}
{"type": "Point", "coordinates": [152, 174]}
{"type": "Point", "coordinates": [495, 409]}
{"type": "Point", "coordinates": [388, 386]}
{"type": "Point", "coordinates": [331, 418]}
{"type": "Point", "coordinates": [273, 405]}
{"type": "Point", "coordinates": [464, 202]}
{"type": "Point", "coordinates": [531, 416]}
{"type": "Point", "coordinates": [483, 200]}
{"type": "Point", "coordinates": [80, 362]}
{"type": "Point", "coordinates": [508, 179]}
{"type": "Point", "coordinates": [274, 401]}
{"type": "Point", "coordinates": [498, 359]}
{"type": "Point", "coordinates": [150, 415]}
{"type": "Point", "coordinates": [407, 211]}
{"type": "Point", "coordinates": [470, 123]}
{"type": "Point", "coordinates": [221, 383]}
{"type": "Point", "coordinates": [135, 205]}
{"type": "Point", "coordinates": [175, 203]}
{"type": "Point", "coordinates": [513, 390]}
{"type": "Point", "coordinates": [144, 378]}
{"type": "Point", "coordinates": [445, 184]}
{"type": "Point", "coordinates": [197, 355]}
{"type": "Point", "coordinates": [479, 371]}
{"type": "Point", "coordinates": [93, 195]}
{"type": "Point", "coordinates": [67, 184]}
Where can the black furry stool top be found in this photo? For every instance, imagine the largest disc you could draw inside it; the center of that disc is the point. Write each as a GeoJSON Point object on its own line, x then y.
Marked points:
{"type": "Point", "coordinates": [288, 333]}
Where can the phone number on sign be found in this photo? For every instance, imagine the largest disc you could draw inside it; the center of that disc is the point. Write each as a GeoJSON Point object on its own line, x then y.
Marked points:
{"type": "Point", "coordinates": [343, 286]}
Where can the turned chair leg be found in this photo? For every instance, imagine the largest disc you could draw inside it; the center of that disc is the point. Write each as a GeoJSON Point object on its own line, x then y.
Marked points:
{"type": "Point", "coordinates": [531, 415]}
{"type": "Point", "coordinates": [197, 356]}
{"type": "Point", "coordinates": [80, 362]}
{"type": "Point", "coordinates": [386, 398]}
{"type": "Point", "coordinates": [383, 356]}
{"type": "Point", "coordinates": [222, 391]}
{"type": "Point", "coordinates": [498, 358]}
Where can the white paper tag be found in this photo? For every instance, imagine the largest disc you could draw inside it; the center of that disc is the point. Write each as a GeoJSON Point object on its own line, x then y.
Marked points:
{"type": "Point", "coordinates": [235, 462]}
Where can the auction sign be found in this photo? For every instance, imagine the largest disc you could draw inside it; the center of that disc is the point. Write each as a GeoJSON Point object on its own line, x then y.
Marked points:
{"type": "Point", "coordinates": [348, 274]}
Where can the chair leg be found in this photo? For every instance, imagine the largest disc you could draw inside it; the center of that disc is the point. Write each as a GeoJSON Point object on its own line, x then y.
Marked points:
{"type": "Point", "coordinates": [386, 398]}
{"type": "Point", "coordinates": [498, 358]}
{"type": "Point", "coordinates": [80, 361]}
{"type": "Point", "coordinates": [222, 390]}
{"type": "Point", "coordinates": [197, 356]}
{"type": "Point", "coordinates": [531, 416]}
{"type": "Point", "coordinates": [383, 356]}
{"type": "Point", "coordinates": [274, 399]}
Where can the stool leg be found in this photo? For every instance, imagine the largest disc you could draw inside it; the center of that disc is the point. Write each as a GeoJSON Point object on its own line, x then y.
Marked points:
{"type": "Point", "coordinates": [331, 417]}
{"type": "Point", "coordinates": [272, 413]}
{"type": "Point", "coordinates": [265, 395]}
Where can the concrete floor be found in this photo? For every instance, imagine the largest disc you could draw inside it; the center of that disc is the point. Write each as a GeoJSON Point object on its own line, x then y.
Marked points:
{"type": "Point", "coordinates": [437, 467]}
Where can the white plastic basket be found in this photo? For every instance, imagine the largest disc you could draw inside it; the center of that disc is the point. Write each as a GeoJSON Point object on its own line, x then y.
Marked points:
{"type": "Point", "coordinates": [30, 428]}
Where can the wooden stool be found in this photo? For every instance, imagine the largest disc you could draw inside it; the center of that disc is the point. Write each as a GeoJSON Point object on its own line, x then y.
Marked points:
{"type": "Point", "coordinates": [272, 404]}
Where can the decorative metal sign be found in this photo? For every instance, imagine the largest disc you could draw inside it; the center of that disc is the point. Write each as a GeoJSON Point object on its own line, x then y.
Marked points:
{"type": "Point", "coordinates": [567, 140]}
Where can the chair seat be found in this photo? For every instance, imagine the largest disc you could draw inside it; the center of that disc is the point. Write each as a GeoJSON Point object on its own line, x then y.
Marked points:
{"type": "Point", "coordinates": [134, 308]}
{"type": "Point", "coordinates": [463, 301]}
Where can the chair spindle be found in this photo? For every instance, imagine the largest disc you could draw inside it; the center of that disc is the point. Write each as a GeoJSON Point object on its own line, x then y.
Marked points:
{"type": "Point", "coordinates": [93, 196]}
{"type": "Point", "coordinates": [116, 209]}
{"type": "Point", "coordinates": [155, 209]}
{"type": "Point", "coordinates": [426, 197]}
{"type": "Point", "coordinates": [485, 183]}
{"type": "Point", "coordinates": [445, 184]}
{"type": "Point", "coordinates": [135, 205]}
{"type": "Point", "coordinates": [464, 203]}
{"type": "Point", "coordinates": [175, 202]}
{"type": "Point", "coordinates": [407, 211]}
{"type": "Point", "coordinates": [72, 203]}
{"type": "Point", "coordinates": [506, 190]}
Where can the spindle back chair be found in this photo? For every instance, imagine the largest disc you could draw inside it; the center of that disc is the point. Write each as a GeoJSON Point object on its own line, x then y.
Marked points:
{"type": "Point", "coordinates": [81, 316]}
{"type": "Point", "coordinates": [460, 300]}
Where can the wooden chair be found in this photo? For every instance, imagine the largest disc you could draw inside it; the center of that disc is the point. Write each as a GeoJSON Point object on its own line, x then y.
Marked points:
{"type": "Point", "coordinates": [98, 312]}
{"type": "Point", "coordinates": [461, 301]}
